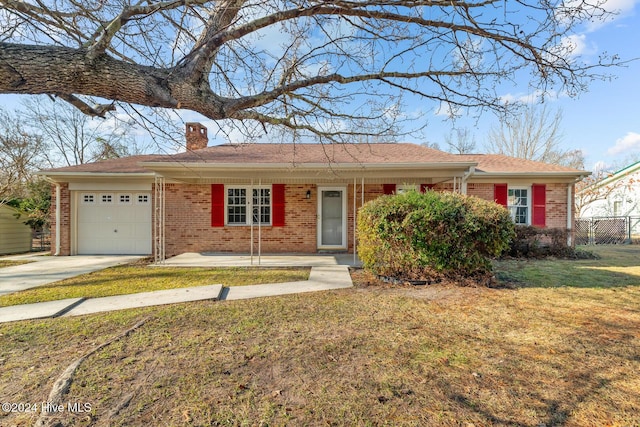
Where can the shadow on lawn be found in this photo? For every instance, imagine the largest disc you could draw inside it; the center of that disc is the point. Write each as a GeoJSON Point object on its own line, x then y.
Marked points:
{"type": "Point", "coordinates": [616, 266]}
{"type": "Point", "coordinates": [564, 382]}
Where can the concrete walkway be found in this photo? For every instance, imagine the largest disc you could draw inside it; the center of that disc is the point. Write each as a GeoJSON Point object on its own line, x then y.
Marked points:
{"type": "Point", "coordinates": [326, 273]}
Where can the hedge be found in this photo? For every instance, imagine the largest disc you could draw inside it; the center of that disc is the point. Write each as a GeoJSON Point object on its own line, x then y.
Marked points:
{"type": "Point", "coordinates": [425, 236]}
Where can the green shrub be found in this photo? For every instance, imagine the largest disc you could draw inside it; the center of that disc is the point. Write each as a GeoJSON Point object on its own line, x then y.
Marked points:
{"type": "Point", "coordinates": [536, 242]}
{"type": "Point", "coordinates": [426, 236]}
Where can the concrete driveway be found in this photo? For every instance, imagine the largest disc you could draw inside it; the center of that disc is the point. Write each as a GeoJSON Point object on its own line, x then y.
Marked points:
{"type": "Point", "coordinates": [47, 269]}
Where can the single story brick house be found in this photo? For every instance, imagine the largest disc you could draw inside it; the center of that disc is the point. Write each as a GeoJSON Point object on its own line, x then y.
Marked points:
{"type": "Point", "coordinates": [277, 198]}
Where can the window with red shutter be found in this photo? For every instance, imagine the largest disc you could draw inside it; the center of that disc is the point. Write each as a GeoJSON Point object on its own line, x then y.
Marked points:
{"type": "Point", "coordinates": [388, 188]}
{"type": "Point", "coordinates": [500, 194]}
{"type": "Point", "coordinates": [539, 205]}
{"type": "Point", "coordinates": [277, 205]}
{"type": "Point", "coordinates": [217, 205]}
{"type": "Point", "coordinates": [425, 187]}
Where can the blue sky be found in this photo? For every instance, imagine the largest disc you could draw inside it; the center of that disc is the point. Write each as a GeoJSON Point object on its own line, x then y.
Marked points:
{"type": "Point", "coordinates": [604, 122]}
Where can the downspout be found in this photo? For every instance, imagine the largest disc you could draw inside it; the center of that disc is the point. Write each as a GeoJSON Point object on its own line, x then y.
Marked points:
{"type": "Point", "coordinates": [465, 177]}
{"type": "Point", "coordinates": [251, 234]}
{"type": "Point", "coordinates": [355, 198]}
{"type": "Point", "coordinates": [58, 193]}
{"type": "Point", "coordinates": [569, 213]}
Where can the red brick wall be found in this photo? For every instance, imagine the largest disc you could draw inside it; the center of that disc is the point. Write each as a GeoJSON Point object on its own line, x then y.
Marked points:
{"type": "Point", "coordinates": [188, 219]}
{"type": "Point", "coordinates": [482, 191]}
{"type": "Point", "coordinates": [557, 206]}
{"type": "Point", "coordinates": [188, 224]}
{"type": "Point", "coordinates": [556, 216]}
{"type": "Point", "coordinates": [65, 219]}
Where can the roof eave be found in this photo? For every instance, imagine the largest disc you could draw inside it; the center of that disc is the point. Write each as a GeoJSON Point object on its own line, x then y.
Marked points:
{"type": "Point", "coordinates": [306, 166]}
{"type": "Point", "coordinates": [57, 176]}
{"type": "Point", "coordinates": [541, 174]}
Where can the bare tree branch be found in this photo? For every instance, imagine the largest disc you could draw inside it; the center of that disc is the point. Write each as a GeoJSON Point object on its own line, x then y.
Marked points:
{"type": "Point", "coordinates": [298, 64]}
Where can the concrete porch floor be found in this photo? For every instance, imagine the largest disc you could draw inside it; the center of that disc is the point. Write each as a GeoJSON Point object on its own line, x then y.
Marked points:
{"type": "Point", "coordinates": [206, 259]}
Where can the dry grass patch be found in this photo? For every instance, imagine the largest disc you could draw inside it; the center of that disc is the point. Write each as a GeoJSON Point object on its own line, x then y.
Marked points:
{"type": "Point", "coordinates": [12, 262]}
{"type": "Point", "coordinates": [367, 356]}
{"type": "Point", "coordinates": [128, 279]}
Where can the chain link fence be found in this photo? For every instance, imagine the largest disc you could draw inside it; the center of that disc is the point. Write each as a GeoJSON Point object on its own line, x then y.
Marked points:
{"type": "Point", "coordinates": [40, 241]}
{"type": "Point", "coordinates": [607, 230]}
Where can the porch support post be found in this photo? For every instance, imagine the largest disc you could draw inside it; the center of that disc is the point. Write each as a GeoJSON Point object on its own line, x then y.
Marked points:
{"type": "Point", "coordinates": [251, 233]}
{"type": "Point", "coordinates": [355, 192]}
{"type": "Point", "coordinates": [259, 219]}
{"type": "Point", "coordinates": [361, 205]}
{"type": "Point", "coordinates": [569, 214]}
{"type": "Point", "coordinates": [159, 212]}
{"type": "Point", "coordinates": [58, 192]}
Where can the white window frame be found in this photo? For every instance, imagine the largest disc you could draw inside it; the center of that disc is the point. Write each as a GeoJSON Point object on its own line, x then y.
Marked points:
{"type": "Point", "coordinates": [512, 208]}
{"type": "Point", "coordinates": [403, 188]}
{"type": "Point", "coordinates": [249, 204]}
{"type": "Point", "coordinates": [142, 199]}
{"type": "Point", "coordinates": [617, 207]}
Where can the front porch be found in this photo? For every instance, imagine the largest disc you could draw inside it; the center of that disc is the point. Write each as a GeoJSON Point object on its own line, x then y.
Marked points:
{"type": "Point", "coordinates": [210, 259]}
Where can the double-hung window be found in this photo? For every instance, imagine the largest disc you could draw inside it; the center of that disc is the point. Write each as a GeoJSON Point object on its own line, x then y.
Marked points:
{"type": "Point", "coordinates": [404, 188]}
{"type": "Point", "coordinates": [519, 205]}
{"type": "Point", "coordinates": [246, 205]}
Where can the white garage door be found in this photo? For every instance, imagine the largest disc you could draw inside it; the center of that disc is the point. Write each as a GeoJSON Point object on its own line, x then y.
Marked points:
{"type": "Point", "coordinates": [114, 223]}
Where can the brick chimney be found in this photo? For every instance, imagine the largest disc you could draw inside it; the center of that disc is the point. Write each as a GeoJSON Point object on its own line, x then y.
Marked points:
{"type": "Point", "coordinates": [196, 136]}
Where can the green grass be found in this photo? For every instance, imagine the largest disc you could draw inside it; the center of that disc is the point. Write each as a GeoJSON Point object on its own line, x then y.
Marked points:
{"type": "Point", "coordinates": [540, 353]}
{"type": "Point", "coordinates": [617, 266]}
{"type": "Point", "coordinates": [129, 279]}
{"type": "Point", "coordinates": [12, 262]}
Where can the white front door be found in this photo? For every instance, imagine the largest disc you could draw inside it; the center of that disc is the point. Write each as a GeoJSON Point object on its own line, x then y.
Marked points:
{"type": "Point", "coordinates": [332, 218]}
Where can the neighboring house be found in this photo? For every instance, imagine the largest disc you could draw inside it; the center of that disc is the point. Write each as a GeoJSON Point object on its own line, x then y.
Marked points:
{"type": "Point", "coordinates": [617, 194]}
{"type": "Point", "coordinates": [296, 198]}
{"type": "Point", "coordinates": [15, 236]}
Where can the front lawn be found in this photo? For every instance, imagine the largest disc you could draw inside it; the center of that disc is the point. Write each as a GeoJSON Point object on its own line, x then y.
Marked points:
{"type": "Point", "coordinates": [128, 279]}
{"type": "Point", "coordinates": [11, 262]}
{"type": "Point", "coordinates": [616, 266]}
{"type": "Point", "coordinates": [544, 351]}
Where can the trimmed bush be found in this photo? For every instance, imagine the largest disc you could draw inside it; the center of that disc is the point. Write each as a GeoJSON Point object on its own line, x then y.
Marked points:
{"type": "Point", "coordinates": [427, 236]}
{"type": "Point", "coordinates": [535, 242]}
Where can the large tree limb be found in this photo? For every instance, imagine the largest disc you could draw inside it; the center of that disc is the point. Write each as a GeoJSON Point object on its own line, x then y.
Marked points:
{"type": "Point", "coordinates": [63, 382]}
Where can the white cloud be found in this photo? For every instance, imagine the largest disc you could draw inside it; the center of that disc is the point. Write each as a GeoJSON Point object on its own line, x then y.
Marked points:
{"type": "Point", "coordinates": [577, 45]}
{"type": "Point", "coordinates": [618, 9]}
{"type": "Point", "coordinates": [528, 98]}
{"type": "Point", "coordinates": [629, 143]}
{"type": "Point", "coordinates": [447, 110]}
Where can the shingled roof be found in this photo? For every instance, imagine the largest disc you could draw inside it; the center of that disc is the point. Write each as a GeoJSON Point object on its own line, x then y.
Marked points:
{"type": "Point", "coordinates": [498, 163]}
{"type": "Point", "coordinates": [314, 153]}
{"type": "Point", "coordinates": [129, 164]}
{"type": "Point", "coordinates": [318, 154]}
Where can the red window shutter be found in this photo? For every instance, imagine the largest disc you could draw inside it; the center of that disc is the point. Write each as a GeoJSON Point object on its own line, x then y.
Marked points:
{"type": "Point", "coordinates": [277, 205]}
{"type": "Point", "coordinates": [217, 205]}
{"type": "Point", "coordinates": [388, 188]}
{"type": "Point", "coordinates": [500, 194]}
{"type": "Point", "coordinates": [425, 187]}
{"type": "Point", "coordinates": [539, 208]}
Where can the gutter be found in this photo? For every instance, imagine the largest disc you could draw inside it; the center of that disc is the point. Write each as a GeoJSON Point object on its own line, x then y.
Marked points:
{"type": "Point", "coordinates": [305, 166]}
{"type": "Point", "coordinates": [465, 177]}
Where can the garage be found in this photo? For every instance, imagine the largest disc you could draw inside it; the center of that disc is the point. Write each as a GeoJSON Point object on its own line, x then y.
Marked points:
{"type": "Point", "coordinates": [113, 223]}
